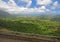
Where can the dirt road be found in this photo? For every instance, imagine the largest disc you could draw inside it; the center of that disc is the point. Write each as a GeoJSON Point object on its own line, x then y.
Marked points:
{"type": "Point", "coordinates": [20, 38]}
{"type": "Point", "coordinates": [10, 40]}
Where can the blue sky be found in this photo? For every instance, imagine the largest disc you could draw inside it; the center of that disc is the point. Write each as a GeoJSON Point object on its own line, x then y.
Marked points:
{"type": "Point", "coordinates": [31, 5]}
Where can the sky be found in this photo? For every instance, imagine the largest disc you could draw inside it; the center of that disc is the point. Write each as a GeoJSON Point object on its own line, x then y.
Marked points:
{"type": "Point", "coordinates": [30, 6]}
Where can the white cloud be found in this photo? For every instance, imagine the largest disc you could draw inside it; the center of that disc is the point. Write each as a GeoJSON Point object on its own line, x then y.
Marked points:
{"type": "Point", "coordinates": [3, 5]}
{"type": "Point", "coordinates": [42, 7]}
{"type": "Point", "coordinates": [27, 1]}
{"type": "Point", "coordinates": [12, 3]}
{"type": "Point", "coordinates": [12, 7]}
{"type": "Point", "coordinates": [55, 4]}
{"type": "Point", "coordinates": [44, 2]}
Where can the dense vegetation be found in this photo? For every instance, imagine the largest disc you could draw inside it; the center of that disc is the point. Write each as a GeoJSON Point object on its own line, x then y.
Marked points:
{"type": "Point", "coordinates": [36, 25]}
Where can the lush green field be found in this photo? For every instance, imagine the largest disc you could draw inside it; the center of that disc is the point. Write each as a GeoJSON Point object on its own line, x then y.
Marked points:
{"type": "Point", "coordinates": [31, 25]}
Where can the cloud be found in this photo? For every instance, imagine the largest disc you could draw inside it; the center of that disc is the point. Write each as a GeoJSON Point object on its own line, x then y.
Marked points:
{"type": "Point", "coordinates": [3, 5]}
{"type": "Point", "coordinates": [12, 3]}
{"type": "Point", "coordinates": [12, 8]}
{"type": "Point", "coordinates": [44, 2]}
{"type": "Point", "coordinates": [27, 1]}
{"type": "Point", "coordinates": [44, 8]}
{"type": "Point", "coordinates": [40, 9]}
{"type": "Point", "coordinates": [55, 4]}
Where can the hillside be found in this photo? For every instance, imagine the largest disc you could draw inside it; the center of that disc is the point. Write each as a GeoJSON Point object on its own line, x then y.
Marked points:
{"type": "Point", "coordinates": [35, 25]}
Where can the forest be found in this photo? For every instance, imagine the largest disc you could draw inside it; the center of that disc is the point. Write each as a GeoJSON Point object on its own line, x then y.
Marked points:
{"type": "Point", "coordinates": [43, 25]}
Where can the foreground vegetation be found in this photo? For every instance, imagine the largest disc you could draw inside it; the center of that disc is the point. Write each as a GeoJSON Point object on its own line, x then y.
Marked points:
{"type": "Point", "coordinates": [34, 25]}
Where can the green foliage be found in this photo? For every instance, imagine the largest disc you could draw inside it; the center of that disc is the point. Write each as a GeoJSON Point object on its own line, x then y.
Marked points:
{"type": "Point", "coordinates": [31, 25]}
